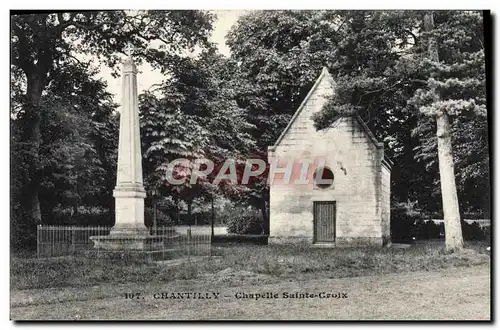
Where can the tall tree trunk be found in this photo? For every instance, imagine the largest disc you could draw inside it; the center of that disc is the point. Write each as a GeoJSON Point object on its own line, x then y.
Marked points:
{"type": "Point", "coordinates": [31, 138]}
{"type": "Point", "coordinates": [452, 225]}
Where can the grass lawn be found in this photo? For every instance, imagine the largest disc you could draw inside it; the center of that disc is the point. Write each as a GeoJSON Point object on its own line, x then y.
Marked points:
{"type": "Point", "coordinates": [281, 262]}
{"type": "Point", "coordinates": [36, 284]}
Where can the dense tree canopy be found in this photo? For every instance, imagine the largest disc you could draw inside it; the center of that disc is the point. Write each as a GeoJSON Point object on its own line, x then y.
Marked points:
{"type": "Point", "coordinates": [195, 116]}
{"type": "Point", "coordinates": [64, 122]}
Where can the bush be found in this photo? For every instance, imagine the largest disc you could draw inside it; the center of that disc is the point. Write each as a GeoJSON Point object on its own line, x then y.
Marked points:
{"type": "Point", "coordinates": [430, 230]}
{"type": "Point", "coordinates": [427, 230]}
{"type": "Point", "coordinates": [22, 234]}
{"type": "Point", "coordinates": [487, 233]}
{"type": "Point", "coordinates": [85, 215]}
{"type": "Point", "coordinates": [246, 221]}
{"type": "Point", "coordinates": [162, 219]}
{"type": "Point", "coordinates": [228, 212]}
{"type": "Point", "coordinates": [404, 216]}
{"type": "Point", "coordinates": [407, 223]}
{"type": "Point", "coordinates": [473, 232]}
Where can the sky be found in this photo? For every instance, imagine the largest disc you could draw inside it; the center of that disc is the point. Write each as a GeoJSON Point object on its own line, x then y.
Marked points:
{"type": "Point", "coordinates": [147, 76]}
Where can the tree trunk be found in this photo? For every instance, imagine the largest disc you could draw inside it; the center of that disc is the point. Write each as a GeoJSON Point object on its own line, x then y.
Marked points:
{"type": "Point", "coordinates": [213, 218]}
{"type": "Point", "coordinates": [155, 221]}
{"type": "Point", "coordinates": [31, 138]}
{"type": "Point", "coordinates": [189, 210]}
{"type": "Point", "coordinates": [177, 211]}
{"type": "Point", "coordinates": [265, 218]}
{"type": "Point", "coordinates": [452, 225]}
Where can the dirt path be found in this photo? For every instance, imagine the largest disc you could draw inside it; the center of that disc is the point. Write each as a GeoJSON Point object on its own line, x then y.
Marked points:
{"type": "Point", "coordinates": [452, 294]}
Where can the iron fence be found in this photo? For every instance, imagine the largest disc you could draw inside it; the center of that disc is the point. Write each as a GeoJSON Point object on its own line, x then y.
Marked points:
{"type": "Point", "coordinates": [160, 242]}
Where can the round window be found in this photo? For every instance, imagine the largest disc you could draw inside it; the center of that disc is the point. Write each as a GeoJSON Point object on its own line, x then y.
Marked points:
{"type": "Point", "coordinates": [323, 177]}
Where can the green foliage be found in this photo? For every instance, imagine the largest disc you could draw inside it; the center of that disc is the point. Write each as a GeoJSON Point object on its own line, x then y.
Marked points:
{"type": "Point", "coordinates": [456, 80]}
{"type": "Point", "coordinates": [409, 223]}
{"type": "Point", "coordinates": [81, 215]}
{"type": "Point", "coordinates": [280, 54]}
{"type": "Point", "coordinates": [471, 156]}
{"type": "Point", "coordinates": [63, 123]}
{"type": "Point", "coordinates": [76, 154]}
{"type": "Point", "coordinates": [241, 220]}
{"type": "Point", "coordinates": [473, 232]}
{"type": "Point", "coordinates": [425, 230]}
{"type": "Point", "coordinates": [195, 116]}
{"type": "Point", "coordinates": [457, 87]}
{"type": "Point", "coordinates": [162, 219]}
{"type": "Point", "coordinates": [106, 34]}
{"type": "Point", "coordinates": [404, 216]}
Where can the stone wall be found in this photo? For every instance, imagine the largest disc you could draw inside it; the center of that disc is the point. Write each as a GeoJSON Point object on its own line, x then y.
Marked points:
{"type": "Point", "coordinates": [386, 203]}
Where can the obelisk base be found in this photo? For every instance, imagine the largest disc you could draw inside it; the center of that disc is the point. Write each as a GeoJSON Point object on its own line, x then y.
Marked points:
{"type": "Point", "coordinates": [129, 232]}
{"type": "Point", "coordinates": [129, 209]}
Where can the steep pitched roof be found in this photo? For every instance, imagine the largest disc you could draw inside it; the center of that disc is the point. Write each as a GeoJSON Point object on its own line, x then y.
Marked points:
{"type": "Point", "coordinates": [324, 75]}
{"type": "Point", "coordinates": [368, 131]}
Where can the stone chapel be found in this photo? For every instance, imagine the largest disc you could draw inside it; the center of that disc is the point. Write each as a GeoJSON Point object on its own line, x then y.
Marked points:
{"type": "Point", "coordinates": [346, 200]}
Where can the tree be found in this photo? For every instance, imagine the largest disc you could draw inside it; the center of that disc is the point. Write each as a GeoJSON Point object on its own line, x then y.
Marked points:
{"type": "Point", "coordinates": [471, 161]}
{"type": "Point", "coordinates": [453, 229]}
{"type": "Point", "coordinates": [399, 89]}
{"type": "Point", "coordinates": [77, 151]}
{"type": "Point", "coordinates": [279, 55]}
{"type": "Point", "coordinates": [193, 115]}
{"type": "Point", "coordinates": [168, 134]}
{"type": "Point", "coordinates": [456, 85]}
{"type": "Point", "coordinates": [79, 141]}
{"type": "Point", "coordinates": [44, 44]}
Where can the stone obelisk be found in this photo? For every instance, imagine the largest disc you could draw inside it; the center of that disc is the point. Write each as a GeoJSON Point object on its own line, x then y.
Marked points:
{"type": "Point", "coordinates": [130, 234]}
{"type": "Point", "coordinates": [129, 192]}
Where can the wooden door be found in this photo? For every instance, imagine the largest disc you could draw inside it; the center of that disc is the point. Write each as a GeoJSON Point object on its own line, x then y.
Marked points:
{"type": "Point", "coordinates": [324, 221]}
